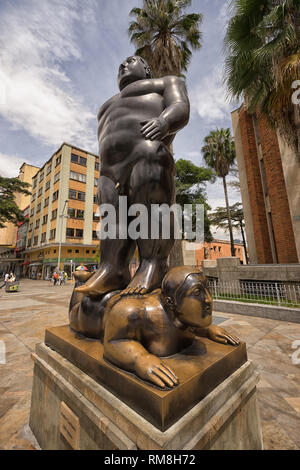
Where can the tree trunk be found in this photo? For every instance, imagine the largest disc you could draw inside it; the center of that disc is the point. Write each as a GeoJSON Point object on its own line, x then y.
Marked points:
{"type": "Point", "coordinates": [228, 216]}
{"type": "Point", "coordinates": [244, 242]}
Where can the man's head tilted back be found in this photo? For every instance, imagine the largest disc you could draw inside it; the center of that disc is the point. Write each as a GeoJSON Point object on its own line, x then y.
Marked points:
{"type": "Point", "coordinates": [132, 69]}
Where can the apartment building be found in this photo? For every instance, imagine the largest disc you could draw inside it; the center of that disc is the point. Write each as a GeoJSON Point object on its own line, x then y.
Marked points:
{"type": "Point", "coordinates": [62, 213]}
{"type": "Point", "coordinates": [270, 188]}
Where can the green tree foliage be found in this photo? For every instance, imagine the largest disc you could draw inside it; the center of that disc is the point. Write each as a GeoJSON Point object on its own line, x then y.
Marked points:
{"type": "Point", "coordinates": [9, 211]}
{"type": "Point", "coordinates": [219, 218]}
{"type": "Point", "coordinates": [219, 154]}
{"type": "Point", "coordinates": [190, 189]}
{"type": "Point", "coordinates": [164, 35]}
{"type": "Point", "coordinates": [262, 49]}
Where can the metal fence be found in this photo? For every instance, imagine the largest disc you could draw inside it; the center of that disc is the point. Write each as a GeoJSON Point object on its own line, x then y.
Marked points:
{"type": "Point", "coordinates": [274, 293]}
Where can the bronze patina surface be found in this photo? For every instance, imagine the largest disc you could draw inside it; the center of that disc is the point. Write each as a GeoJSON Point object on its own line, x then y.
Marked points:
{"type": "Point", "coordinates": [200, 368]}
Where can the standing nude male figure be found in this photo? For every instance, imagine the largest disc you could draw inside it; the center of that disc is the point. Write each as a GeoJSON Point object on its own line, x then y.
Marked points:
{"type": "Point", "coordinates": [135, 129]}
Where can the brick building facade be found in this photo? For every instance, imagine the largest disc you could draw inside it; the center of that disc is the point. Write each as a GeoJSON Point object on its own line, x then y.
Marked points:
{"type": "Point", "coordinates": [269, 200]}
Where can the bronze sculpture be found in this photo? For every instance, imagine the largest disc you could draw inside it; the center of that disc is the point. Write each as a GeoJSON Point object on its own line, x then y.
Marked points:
{"type": "Point", "coordinates": [156, 313]}
{"type": "Point", "coordinates": [138, 330]}
{"type": "Point", "coordinates": [135, 128]}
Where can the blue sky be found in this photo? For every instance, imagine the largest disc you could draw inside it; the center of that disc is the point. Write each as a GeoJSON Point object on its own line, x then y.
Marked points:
{"type": "Point", "coordinates": [58, 64]}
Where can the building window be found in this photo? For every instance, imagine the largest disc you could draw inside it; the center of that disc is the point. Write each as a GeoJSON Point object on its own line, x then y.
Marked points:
{"type": "Point", "coordinates": [94, 251]}
{"type": "Point", "coordinates": [41, 177]}
{"type": "Point", "coordinates": [40, 192]}
{"type": "Point", "coordinates": [29, 243]}
{"type": "Point", "coordinates": [35, 240]}
{"type": "Point", "coordinates": [70, 232]}
{"type": "Point", "coordinates": [97, 166]}
{"type": "Point", "coordinates": [47, 185]}
{"type": "Point", "coordinates": [76, 195]}
{"type": "Point", "coordinates": [87, 251]}
{"type": "Point", "coordinates": [76, 251]}
{"type": "Point", "coordinates": [58, 160]}
{"type": "Point", "coordinates": [69, 251]}
{"type": "Point", "coordinates": [77, 176]}
{"type": "Point", "coordinates": [95, 237]}
{"type": "Point", "coordinates": [55, 196]}
{"type": "Point", "coordinates": [46, 203]}
{"type": "Point", "coordinates": [74, 233]}
{"type": "Point", "coordinates": [52, 235]}
{"type": "Point", "coordinates": [56, 177]}
{"type": "Point", "coordinates": [34, 183]}
{"type": "Point", "coordinates": [72, 213]}
{"type": "Point", "coordinates": [33, 197]}
{"type": "Point", "coordinates": [74, 158]}
{"type": "Point", "coordinates": [38, 208]}
{"type": "Point", "coordinates": [31, 212]}
{"type": "Point", "coordinates": [37, 224]}
{"type": "Point", "coordinates": [54, 214]}
{"type": "Point", "coordinates": [95, 181]}
{"type": "Point", "coordinates": [43, 237]}
{"type": "Point", "coordinates": [48, 170]}
{"type": "Point", "coordinates": [45, 219]}
{"type": "Point", "coordinates": [30, 227]}
{"type": "Point", "coordinates": [95, 199]}
{"type": "Point", "coordinates": [76, 213]}
{"type": "Point", "coordinates": [96, 218]}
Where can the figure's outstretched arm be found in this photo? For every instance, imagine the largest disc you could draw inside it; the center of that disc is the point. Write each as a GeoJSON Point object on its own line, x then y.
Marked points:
{"type": "Point", "coordinates": [175, 114]}
{"type": "Point", "coordinates": [121, 347]}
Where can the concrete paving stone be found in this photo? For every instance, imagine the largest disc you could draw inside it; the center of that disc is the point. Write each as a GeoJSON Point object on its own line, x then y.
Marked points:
{"type": "Point", "coordinates": [39, 305]}
{"type": "Point", "coordinates": [275, 438]}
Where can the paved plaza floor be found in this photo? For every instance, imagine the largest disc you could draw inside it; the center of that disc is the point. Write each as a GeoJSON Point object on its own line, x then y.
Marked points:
{"type": "Point", "coordinates": [26, 314]}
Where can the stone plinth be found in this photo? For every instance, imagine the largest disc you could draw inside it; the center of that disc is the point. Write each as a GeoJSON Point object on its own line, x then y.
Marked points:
{"type": "Point", "coordinates": [200, 368]}
{"type": "Point", "coordinates": [226, 418]}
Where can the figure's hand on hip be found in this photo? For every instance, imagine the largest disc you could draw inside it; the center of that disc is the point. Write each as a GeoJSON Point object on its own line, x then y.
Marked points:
{"type": "Point", "coordinates": [155, 129]}
{"type": "Point", "coordinates": [150, 367]}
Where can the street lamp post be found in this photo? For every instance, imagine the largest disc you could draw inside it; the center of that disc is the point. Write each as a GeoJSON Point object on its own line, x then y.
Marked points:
{"type": "Point", "coordinates": [62, 216]}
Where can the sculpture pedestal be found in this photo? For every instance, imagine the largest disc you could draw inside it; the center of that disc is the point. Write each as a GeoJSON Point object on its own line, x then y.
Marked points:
{"type": "Point", "coordinates": [70, 409]}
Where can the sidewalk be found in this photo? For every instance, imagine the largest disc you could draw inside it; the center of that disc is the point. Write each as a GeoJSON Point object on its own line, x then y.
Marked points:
{"type": "Point", "coordinates": [26, 314]}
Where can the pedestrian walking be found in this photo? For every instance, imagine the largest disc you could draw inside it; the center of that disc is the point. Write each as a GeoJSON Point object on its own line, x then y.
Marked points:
{"type": "Point", "coordinates": [55, 277]}
{"type": "Point", "coordinates": [6, 276]}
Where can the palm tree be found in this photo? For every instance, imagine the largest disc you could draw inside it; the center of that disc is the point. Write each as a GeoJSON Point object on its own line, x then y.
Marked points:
{"type": "Point", "coordinates": [219, 154]}
{"type": "Point", "coordinates": [262, 49]}
{"type": "Point", "coordinates": [163, 35]}
{"type": "Point", "coordinates": [219, 218]}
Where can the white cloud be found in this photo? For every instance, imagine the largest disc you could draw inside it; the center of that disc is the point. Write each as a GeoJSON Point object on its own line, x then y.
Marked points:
{"type": "Point", "coordinates": [37, 39]}
{"type": "Point", "coordinates": [10, 165]}
{"type": "Point", "coordinates": [208, 98]}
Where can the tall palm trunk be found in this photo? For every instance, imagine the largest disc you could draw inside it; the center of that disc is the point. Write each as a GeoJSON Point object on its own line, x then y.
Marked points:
{"type": "Point", "coordinates": [244, 242]}
{"type": "Point", "coordinates": [228, 216]}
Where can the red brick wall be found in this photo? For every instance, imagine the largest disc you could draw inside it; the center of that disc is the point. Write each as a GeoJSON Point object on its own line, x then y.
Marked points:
{"type": "Point", "coordinates": [281, 217]}
{"type": "Point", "coordinates": [259, 217]}
{"type": "Point", "coordinates": [218, 249]}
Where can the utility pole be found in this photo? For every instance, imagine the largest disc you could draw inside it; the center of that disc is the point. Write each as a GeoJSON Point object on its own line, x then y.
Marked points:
{"type": "Point", "coordinates": [62, 216]}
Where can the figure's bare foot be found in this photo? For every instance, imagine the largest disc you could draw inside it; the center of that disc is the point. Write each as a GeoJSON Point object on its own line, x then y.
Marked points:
{"type": "Point", "coordinates": [147, 278]}
{"type": "Point", "coordinates": [106, 279]}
